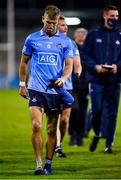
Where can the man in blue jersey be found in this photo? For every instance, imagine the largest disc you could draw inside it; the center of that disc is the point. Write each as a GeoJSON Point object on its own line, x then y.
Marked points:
{"type": "Point", "coordinates": [49, 52]}
{"type": "Point", "coordinates": [64, 117]}
{"type": "Point", "coordinates": [101, 53]}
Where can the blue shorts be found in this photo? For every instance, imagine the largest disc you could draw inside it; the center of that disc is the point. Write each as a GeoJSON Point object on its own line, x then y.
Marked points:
{"type": "Point", "coordinates": [51, 103]}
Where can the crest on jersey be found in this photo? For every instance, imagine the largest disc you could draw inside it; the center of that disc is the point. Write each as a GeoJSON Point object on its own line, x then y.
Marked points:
{"type": "Point", "coordinates": [59, 46]}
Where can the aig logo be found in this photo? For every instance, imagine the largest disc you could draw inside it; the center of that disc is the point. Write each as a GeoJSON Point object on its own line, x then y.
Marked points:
{"type": "Point", "coordinates": [47, 58]}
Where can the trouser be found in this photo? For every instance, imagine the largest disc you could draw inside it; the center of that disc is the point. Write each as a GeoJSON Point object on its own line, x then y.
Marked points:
{"type": "Point", "coordinates": [103, 121]}
{"type": "Point", "coordinates": [78, 114]}
{"type": "Point", "coordinates": [108, 93]}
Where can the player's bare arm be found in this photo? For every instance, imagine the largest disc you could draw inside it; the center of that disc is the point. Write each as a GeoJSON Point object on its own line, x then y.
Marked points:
{"type": "Point", "coordinates": [22, 75]}
{"type": "Point", "coordinates": [77, 65]}
{"type": "Point", "coordinates": [67, 72]}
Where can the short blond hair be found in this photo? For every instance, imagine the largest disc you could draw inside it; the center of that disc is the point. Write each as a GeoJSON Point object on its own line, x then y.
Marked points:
{"type": "Point", "coordinates": [61, 17]}
{"type": "Point", "coordinates": [52, 11]}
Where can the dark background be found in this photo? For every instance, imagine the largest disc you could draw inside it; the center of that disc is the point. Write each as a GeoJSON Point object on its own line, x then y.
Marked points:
{"type": "Point", "coordinates": [28, 12]}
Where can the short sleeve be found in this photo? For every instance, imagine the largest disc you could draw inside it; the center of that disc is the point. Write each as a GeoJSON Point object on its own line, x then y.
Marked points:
{"type": "Point", "coordinates": [68, 53]}
{"type": "Point", "coordinates": [27, 48]}
{"type": "Point", "coordinates": [75, 49]}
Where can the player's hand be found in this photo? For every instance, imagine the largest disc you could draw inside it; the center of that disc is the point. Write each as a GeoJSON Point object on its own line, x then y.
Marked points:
{"type": "Point", "coordinates": [114, 70]}
{"type": "Point", "coordinates": [60, 82]}
{"type": "Point", "coordinates": [23, 92]}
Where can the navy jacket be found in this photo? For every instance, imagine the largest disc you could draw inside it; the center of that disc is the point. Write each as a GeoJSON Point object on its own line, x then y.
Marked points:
{"type": "Point", "coordinates": [102, 46]}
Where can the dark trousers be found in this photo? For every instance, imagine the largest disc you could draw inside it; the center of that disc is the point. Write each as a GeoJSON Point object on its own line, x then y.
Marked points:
{"type": "Point", "coordinates": [78, 113]}
{"type": "Point", "coordinates": [104, 121]}
{"type": "Point", "coordinates": [108, 93]}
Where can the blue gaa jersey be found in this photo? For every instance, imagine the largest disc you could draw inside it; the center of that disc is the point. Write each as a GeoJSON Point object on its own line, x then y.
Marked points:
{"type": "Point", "coordinates": [68, 84]}
{"type": "Point", "coordinates": [47, 58]}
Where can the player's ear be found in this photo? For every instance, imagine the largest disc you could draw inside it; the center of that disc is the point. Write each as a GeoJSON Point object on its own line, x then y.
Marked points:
{"type": "Point", "coordinates": [104, 15]}
{"type": "Point", "coordinates": [43, 19]}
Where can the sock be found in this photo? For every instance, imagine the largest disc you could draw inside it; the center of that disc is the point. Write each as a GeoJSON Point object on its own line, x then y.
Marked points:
{"type": "Point", "coordinates": [39, 163]}
{"type": "Point", "coordinates": [48, 161]}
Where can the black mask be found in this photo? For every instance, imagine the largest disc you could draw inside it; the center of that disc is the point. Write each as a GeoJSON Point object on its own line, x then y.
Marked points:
{"type": "Point", "coordinates": [112, 22]}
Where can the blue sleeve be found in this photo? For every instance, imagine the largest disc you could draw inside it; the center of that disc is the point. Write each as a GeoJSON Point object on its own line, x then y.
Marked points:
{"type": "Point", "coordinates": [27, 48]}
{"type": "Point", "coordinates": [68, 52]}
{"type": "Point", "coordinates": [86, 51]}
{"type": "Point", "coordinates": [75, 49]}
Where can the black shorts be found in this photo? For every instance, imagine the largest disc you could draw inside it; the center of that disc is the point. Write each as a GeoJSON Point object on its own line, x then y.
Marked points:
{"type": "Point", "coordinates": [49, 102]}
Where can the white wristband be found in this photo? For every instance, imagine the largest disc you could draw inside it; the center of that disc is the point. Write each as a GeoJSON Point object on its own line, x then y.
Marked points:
{"type": "Point", "coordinates": [22, 83]}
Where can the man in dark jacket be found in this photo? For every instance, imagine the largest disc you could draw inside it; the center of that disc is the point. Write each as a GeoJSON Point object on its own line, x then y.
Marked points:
{"type": "Point", "coordinates": [80, 93]}
{"type": "Point", "coordinates": [101, 53]}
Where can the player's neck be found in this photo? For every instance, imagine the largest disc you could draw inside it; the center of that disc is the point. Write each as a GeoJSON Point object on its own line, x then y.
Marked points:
{"type": "Point", "coordinates": [50, 35]}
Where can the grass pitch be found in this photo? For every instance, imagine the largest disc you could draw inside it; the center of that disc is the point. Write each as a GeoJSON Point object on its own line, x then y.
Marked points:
{"type": "Point", "coordinates": [16, 153]}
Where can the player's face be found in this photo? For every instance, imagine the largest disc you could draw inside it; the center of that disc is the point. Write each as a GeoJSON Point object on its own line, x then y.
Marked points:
{"type": "Point", "coordinates": [79, 38]}
{"type": "Point", "coordinates": [111, 14]}
{"type": "Point", "coordinates": [62, 26]}
{"type": "Point", "coordinates": [50, 25]}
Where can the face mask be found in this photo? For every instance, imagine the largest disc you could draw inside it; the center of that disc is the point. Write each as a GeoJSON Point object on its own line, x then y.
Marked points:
{"type": "Point", "coordinates": [112, 22]}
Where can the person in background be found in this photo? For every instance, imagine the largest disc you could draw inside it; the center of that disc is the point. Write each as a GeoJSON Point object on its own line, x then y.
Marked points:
{"type": "Point", "coordinates": [49, 52]}
{"type": "Point", "coordinates": [64, 116]}
{"type": "Point", "coordinates": [101, 53]}
{"type": "Point", "coordinates": [80, 92]}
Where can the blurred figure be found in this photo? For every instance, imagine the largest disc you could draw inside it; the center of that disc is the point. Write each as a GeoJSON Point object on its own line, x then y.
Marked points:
{"type": "Point", "coordinates": [49, 52]}
{"type": "Point", "coordinates": [80, 93]}
{"type": "Point", "coordinates": [101, 53]}
{"type": "Point", "coordinates": [64, 117]}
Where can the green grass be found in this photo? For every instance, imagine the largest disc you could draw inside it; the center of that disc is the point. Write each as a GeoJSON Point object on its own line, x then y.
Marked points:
{"type": "Point", "coordinates": [16, 153]}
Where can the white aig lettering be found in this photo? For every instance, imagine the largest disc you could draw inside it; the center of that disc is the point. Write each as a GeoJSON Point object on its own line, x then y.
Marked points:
{"type": "Point", "coordinates": [47, 58]}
